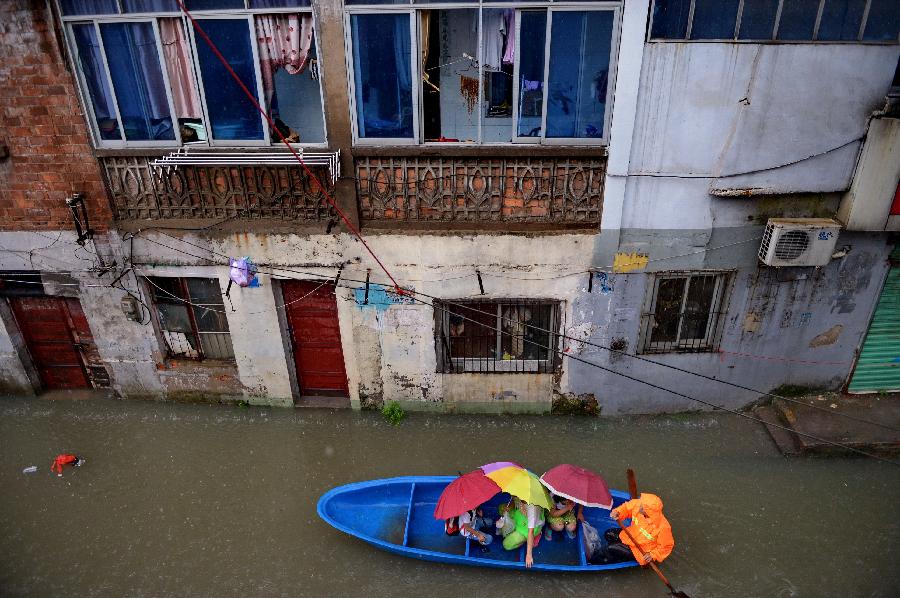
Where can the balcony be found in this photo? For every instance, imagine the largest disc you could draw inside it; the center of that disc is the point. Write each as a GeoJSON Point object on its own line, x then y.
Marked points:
{"type": "Point", "coordinates": [554, 192]}
{"type": "Point", "coordinates": [140, 191]}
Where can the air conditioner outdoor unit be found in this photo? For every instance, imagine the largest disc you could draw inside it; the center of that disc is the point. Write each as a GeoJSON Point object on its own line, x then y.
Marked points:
{"type": "Point", "coordinates": [799, 241]}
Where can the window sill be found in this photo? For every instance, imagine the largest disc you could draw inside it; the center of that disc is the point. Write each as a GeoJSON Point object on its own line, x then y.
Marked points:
{"type": "Point", "coordinates": [183, 363]}
{"type": "Point", "coordinates": [154, 152]}
{"type": "Point", "coordinates": [494, 151]}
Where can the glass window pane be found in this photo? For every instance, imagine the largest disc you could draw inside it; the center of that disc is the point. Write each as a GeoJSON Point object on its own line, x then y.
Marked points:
{"type": "Point", "coordinates": [166, 290]}
{"type": "Point", "coordinates": [382, 72]}
{"type": "Point", "coordinates": [697, 308]}
{"type": "Point", "coordinates": [714, 19]}
{"type": "Point", "coordinates": [532, 40]}
{"type": "Point", "coordinates": [450, 83]}
{"type": "Point", "coordinates": [841, 19]}
{"type": "Point", "coordinates": [287, 61]}
{"type": "Point", "coordinates": [231, 113]}
{"type": "Point", "coordinates": [670, 18]}
{"type": "Point", "coordinates": [579, 73]}
{"type": "Point", "coordinates": [667, 312]}
{"type": "Point", "coordinates": [174, 317]}
{"type": "Point", "coordinates": [150, 6]}
{"type": "Point", "coordinates": [205, 291]}
{"type": "Point", "coordinates": [798, 19]}
{"type": "Point", "coordinates": [182, 83]}
{"type": "Point", "coordinates": [95, 79]}
{"type": "Point", "coordinates": [138, 81]}
{"type": "Point", "coordinates": [758, 19]}
{"type": "Point", "coordinates": [213, 4]}
{"type": "Point", "coordinates": [88, 7]}
{"type": "Point", "coordinates": [499, 28]}
{"type": "Point", "coordinates": [373, 2]}
{"type": "Point", "coordinates": [210, 318]}
{"type": "Point", "coordinates": [883, 21]}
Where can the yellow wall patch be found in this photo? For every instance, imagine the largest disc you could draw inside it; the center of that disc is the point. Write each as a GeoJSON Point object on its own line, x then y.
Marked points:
{"type": "Point", "coordinates": [628, 262]}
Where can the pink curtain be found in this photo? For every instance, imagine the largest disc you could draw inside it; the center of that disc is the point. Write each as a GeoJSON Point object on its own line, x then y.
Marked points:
{"type": "Point", "coordinates": [178, 67]}
{"type": "Point", "coordinates": [284, 42]}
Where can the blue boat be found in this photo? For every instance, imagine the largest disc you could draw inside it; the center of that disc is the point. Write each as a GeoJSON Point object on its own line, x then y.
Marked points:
{"type": "Point", "coordinates": [397, 515]}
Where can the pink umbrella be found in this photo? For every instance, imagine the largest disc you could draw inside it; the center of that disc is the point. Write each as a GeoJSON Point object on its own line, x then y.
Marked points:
{"type": "Point", "coordinates": [464, 494]}
{"type": "Point", "coordinates": [578, 484]}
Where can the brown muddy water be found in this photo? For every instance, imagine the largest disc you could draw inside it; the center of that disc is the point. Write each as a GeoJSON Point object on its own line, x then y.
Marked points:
{"type": "Point", "coordinates": [201, 500]}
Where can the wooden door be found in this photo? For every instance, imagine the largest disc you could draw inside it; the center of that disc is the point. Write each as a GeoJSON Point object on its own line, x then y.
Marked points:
{"type": "Point", "coordinates": [56, 338]}
{"type": "Point", "coordinates": [315, 338]}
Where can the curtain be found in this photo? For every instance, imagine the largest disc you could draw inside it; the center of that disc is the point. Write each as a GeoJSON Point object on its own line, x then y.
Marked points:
{"type": "Point", "coordinates": [178, 67]}
{"type": "Point", "coordinates": [284, 42]}
{"type": "Point", "coordinates": [426, 35]}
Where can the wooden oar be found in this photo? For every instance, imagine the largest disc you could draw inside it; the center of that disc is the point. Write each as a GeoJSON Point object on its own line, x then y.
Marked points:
{"type": "Point", "coordinates": [632, 489]}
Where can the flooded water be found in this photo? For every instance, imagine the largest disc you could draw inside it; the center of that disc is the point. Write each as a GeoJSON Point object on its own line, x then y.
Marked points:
{"type": "Point", "coordinates": [199, 500]}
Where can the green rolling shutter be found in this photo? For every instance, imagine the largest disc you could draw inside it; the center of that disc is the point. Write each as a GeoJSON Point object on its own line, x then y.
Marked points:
{"type": "Point", "coordinates": [878, 367]}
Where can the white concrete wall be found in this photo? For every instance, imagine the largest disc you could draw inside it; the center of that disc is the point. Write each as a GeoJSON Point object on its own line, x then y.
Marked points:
{"type": "Point", "coordinates": [867, 205]}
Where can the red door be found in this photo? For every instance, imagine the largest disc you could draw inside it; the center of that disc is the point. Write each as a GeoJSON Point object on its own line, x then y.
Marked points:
{"type": "Point", "coordinates": [315, 337]}
{"type": "Point", "coordinates": [54, 329]}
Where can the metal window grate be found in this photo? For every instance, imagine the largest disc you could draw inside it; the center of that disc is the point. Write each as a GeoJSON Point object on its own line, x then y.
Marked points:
{"type": "Point", "coordinates": [506, 336]}
{"type": "Point", "coordinates": [686, 313]}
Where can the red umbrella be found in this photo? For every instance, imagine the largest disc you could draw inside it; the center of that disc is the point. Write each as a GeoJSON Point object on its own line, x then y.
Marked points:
{"type": "Point", "coordinates": [579, 484]}
{"type": "Point", "coordinates": [464, 494]}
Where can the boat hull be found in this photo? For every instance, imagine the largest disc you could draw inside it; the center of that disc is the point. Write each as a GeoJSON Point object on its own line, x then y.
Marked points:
{"type": "Point", "coordinates": [397, 515]}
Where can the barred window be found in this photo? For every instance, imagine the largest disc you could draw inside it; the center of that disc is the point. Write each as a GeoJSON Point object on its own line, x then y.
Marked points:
{"type": "Point", "coordinates": [512, 336]}
{"type": "Point", "coordinates": [685, 312]}
{"type": "Point", "coordinates": [191, 317]}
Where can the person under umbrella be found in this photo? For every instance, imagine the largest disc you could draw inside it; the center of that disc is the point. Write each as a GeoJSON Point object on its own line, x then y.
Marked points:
{"type": "Point", "coordinates": [459, 506]}
{"type": "Point", "coordinates": [572, 485]}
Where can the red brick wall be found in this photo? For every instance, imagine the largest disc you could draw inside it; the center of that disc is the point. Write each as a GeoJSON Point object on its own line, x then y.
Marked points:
{"type": "Point", "coordinates": [42, 125]}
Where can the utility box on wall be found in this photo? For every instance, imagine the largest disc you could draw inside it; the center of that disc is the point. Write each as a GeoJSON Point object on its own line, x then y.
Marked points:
{"type": "Point", "coordinates": [799, 241]}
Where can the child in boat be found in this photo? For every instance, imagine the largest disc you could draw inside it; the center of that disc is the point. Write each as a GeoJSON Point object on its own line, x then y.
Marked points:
{"type": "Point", "coordinates": [471, 524]}
{"type": "Point", "coordinates": [563, 516]}
{"type": "Point", "coordinates": [521, 524]}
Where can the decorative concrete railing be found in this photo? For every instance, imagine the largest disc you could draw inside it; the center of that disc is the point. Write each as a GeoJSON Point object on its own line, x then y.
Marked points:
{"type": "Point", "coordinates": [140, 191]}
{"type": "Point", "coordinates": [480, 190]}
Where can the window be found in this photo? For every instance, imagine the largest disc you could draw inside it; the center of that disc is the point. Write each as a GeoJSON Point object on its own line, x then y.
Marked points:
{"type": "Point", "coordinates": [510, 336]}
{"type": "Point", "coordinates": [151, 80]}
{"type": "Point", "coordinates": [782, 20]}
{"type": "Point", "coordinates": [191, 317]}
{"type": "Point", "coordinates": [685, 312]}
{"type": "Point", "coordinates": [471, 74]}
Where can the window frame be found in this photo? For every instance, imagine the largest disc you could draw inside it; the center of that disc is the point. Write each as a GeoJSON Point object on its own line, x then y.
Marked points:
{"type": "Point", "coordinates": [774, 38]}
{"type": "Point", "coordinates": [447, 364]}
{"type": "Point", "coordinates": [721, 295]}
{"type": "Point", "coordinates": [413, 9]}
{"type": "Point", "coordinates": [67, 21]}
{"type": "Point", "coordinates": [189, 304]}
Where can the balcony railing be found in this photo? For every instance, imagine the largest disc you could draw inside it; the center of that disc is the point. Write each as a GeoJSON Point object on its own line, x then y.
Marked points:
{"type": "Point", "coordinates": [140, 191]}
{"type": "Point", "coordinates": [466, 190]}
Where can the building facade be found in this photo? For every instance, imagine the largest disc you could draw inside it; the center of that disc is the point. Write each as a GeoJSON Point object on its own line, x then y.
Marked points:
{"type": "Point", "coordinates": [554, 186]}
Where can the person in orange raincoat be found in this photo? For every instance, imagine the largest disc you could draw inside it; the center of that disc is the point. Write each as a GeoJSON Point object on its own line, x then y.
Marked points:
{"type": "Point", "coordinates": [648, 526]}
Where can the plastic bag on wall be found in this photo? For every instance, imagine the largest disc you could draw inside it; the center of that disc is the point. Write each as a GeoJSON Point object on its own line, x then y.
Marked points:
{"type": "Point", "coordinates": [243, 272]}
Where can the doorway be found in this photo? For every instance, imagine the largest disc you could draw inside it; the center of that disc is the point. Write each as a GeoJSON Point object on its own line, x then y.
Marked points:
{"type": "Point", "coordinates": [311, 310]}
{"type": "Point", "coordinates": [58, 338]}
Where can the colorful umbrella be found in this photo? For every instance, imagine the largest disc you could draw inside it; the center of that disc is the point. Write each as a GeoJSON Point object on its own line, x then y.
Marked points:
{"type": "Point", "coordinates": [518, 481]}
{"type": "Point", "coordinates": [464, 494]}
{"type": "Point", "coordinates": [579, 484]}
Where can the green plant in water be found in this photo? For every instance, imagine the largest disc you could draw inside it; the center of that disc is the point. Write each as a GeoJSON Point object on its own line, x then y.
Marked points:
{"type": "Point", "coordinates": [243, 404]}
{"type": "Point", "coordinates": [393, 413]}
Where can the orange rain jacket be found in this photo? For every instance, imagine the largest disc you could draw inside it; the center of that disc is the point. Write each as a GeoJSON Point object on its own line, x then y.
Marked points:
{"type": "Point", "coordinates": [651, 529]}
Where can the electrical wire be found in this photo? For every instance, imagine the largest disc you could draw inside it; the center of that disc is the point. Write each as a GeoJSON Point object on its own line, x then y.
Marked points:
{"type": "Point", "coordinates": [412, 293]}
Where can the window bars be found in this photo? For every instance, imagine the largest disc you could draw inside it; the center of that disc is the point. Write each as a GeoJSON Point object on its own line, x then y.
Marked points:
{"type": "Point", "coordinates": [686, 313]}
{"type": "Point", "coordinates": [505, 336]}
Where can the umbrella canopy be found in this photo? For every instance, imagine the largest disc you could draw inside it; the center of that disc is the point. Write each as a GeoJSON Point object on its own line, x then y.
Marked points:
{"type": "Point", "coordinates": [464, 494]}
{"type": "Point", "coordinates": [518, 481]}
{"type": "Point", "coordinates": [579, 484]}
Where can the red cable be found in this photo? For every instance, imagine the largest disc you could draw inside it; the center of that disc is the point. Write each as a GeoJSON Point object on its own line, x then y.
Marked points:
{"type": "Point", "coordinates": [309, 173]}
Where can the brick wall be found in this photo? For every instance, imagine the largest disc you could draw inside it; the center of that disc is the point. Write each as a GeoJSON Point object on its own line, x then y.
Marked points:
{"type": "Point", "coordinates": [42, 125]}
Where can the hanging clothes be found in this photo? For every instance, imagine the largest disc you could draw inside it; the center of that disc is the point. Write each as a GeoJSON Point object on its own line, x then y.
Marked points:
{"type": "Point", "coordinates": [284, 42]}
{"type": "Point", "coordinates": [494, 37]}
{"type": "Point", "coordinates": [178, 67]}
{"type": "Point", "coordinates": [515, 320]}
{"type": "Point", "coordinates": [509, 30]}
